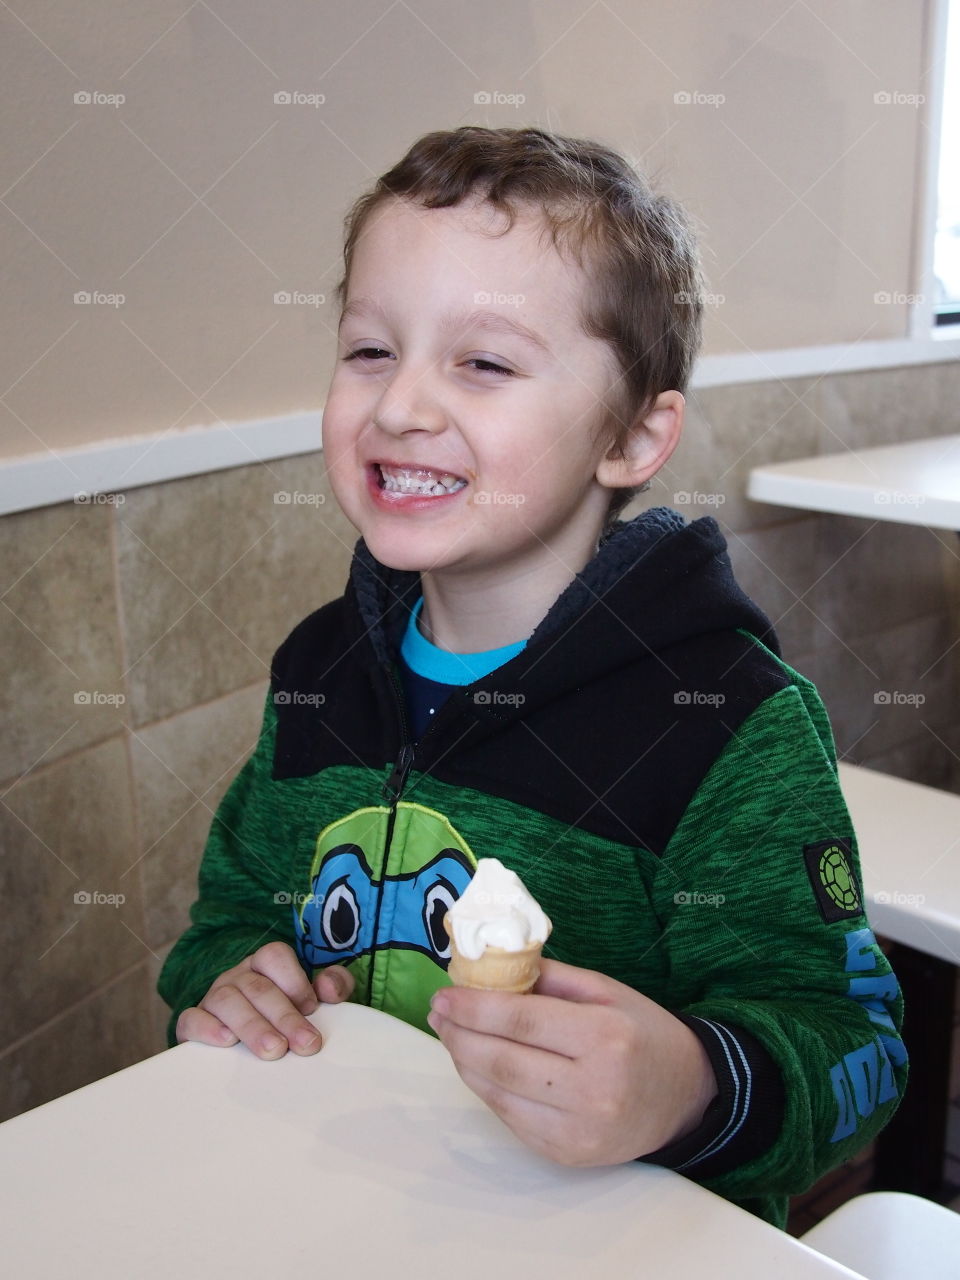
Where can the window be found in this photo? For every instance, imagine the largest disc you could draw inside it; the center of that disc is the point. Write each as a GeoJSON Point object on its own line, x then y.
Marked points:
{"type": "Point", "coordinates": [946, 240]}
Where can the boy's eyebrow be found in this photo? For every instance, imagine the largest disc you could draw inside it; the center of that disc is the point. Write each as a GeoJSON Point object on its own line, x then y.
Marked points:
{"type": "Point", "coordinates": [491, 321]}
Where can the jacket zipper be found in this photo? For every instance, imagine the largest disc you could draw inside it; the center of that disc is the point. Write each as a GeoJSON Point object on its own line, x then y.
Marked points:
{"type": "Point", "coordinates": [398, 775]}
{"type": "Point", "coordinates": [391, 791]}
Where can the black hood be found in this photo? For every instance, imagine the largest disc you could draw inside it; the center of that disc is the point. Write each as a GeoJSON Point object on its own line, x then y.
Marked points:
{"type": "Point", "coordinates": [654, 582]}
{"type": "Point", "coordinates": [608, 718]}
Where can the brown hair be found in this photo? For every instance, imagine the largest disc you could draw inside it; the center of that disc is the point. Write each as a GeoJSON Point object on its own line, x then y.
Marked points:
{"type": "Point", "coordinates": [645, 293]}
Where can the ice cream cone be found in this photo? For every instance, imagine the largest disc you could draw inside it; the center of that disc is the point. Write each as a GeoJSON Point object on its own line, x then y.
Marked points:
{"type": "Point", "coordinates": [496, 969]}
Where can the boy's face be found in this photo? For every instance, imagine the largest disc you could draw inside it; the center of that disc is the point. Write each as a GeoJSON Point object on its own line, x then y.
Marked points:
{"type": "Point", "coordinates": [441, 461]}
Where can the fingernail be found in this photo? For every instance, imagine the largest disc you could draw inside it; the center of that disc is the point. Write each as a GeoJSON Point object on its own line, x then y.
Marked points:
{"type": "Point", "coordinates": [306, 1038]}
{"type": "Point", "coordinates": [271, 1044]}
{"type": "Point", "coordinates": [439, 1002]}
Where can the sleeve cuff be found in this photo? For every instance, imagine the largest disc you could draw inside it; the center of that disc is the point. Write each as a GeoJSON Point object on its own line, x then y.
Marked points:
{"type": "Point", "coordinates": [745, 1118]}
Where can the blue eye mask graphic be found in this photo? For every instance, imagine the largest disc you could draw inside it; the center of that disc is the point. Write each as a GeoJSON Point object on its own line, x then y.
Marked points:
{"type": "Point", "coordinates": [349, 914]}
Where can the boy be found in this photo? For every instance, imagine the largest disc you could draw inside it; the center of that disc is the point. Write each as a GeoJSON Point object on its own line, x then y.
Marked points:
{"type": "Point", "coordinates": [512, 672]}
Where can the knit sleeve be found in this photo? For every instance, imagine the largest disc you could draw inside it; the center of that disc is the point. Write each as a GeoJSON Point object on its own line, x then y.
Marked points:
{"type": "Point", "coordinates": [244, 898]}
{"type": "Point", "coordinates": [773, 962]}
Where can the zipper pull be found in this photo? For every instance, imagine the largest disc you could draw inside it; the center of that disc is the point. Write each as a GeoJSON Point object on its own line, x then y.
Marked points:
{"type": "Point", "coordinates": [398, 776]}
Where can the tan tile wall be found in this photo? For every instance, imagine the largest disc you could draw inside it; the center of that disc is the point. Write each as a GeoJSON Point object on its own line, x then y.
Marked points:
{"type": "Point", "coordinates": [173, 601]}
{"type": "Point", "coordinates": [863, 607]}
{"type": "Point", "coordinates": [176, 598]}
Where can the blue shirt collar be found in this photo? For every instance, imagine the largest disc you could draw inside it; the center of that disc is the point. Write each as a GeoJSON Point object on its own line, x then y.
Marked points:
{"type": "Point", "coordinates": [450, 668]}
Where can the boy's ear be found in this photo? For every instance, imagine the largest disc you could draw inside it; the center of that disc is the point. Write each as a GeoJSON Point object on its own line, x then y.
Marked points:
{"type": "Point", "coordinates": [649, 444]}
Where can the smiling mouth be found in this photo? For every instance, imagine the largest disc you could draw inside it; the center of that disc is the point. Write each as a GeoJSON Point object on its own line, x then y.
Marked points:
{"type": "Point", "coordinates": [423, 482]}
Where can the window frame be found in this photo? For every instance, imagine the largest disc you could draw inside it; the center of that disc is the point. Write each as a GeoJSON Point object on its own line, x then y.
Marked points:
{"type": "Point", "coordinates": [926, 319]}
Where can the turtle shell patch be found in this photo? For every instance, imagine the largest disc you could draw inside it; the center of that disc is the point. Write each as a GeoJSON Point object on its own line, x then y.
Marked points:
{"type": "Point", "coordinates": [830, 868]}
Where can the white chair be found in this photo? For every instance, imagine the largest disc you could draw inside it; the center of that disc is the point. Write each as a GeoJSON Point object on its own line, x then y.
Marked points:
{"type": "Point", "coordinates": [887, 1235]}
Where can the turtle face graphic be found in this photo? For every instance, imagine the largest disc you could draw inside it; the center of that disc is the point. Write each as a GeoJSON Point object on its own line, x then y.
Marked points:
{"type": "Point", "coordinates": [350, 913]}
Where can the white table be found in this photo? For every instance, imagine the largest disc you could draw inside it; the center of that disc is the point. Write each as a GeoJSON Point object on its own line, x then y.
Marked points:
{"type": "Point", "coordinates": [908, 835]}
{"type": "Point", "coordinates": [917, 482]}
{"type": "Point", "coordinates": [892, 1237]}
{"type": "Point", "coordinates": [909, 841]}
{"type": "Point", "coordinates": [369, 1161]}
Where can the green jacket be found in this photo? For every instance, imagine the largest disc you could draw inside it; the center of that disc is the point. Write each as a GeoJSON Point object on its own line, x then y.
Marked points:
{"type": "Point", "coordinates": [663, 783]}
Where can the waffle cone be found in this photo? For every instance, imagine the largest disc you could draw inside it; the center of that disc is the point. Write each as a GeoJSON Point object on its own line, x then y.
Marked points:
{"type": "Point", "coordinates": [496, 969]}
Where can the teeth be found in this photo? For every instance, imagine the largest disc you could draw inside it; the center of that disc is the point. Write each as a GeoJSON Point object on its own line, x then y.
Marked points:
{"type": "Point", "coordinates": [420, 481]}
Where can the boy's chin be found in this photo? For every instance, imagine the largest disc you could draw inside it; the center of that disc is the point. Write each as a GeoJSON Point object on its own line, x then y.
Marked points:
{"type": "Point", "coordinates": [391, 553]}
{"type": "Point", "coordinates": [402, 564]}
{"type": "Point", "coordinates": [411, 558]}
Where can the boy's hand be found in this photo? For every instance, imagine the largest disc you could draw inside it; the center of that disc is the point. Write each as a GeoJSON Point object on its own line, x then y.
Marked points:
{"type": "Point", "coordinates": [584, 1070]}
{"type": "Point", "coordinates": [261, 1001]}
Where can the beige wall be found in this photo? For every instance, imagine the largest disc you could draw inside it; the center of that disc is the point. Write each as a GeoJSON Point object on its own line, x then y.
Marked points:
{"type": "Point", "coordinates": [198, 198]}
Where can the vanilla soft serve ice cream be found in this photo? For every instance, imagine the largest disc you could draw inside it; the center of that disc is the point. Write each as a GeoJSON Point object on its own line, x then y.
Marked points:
{"type": "Point", "coordinates": [495, 910]}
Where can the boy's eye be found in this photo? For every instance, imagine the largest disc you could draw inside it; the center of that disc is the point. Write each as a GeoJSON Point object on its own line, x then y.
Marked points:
{"type": "Point", "coordinates": [363, 352]}
{"type": "Point", "coordinates": [483, 366]}
{"type": "Point", "coordinates": [495, 368]}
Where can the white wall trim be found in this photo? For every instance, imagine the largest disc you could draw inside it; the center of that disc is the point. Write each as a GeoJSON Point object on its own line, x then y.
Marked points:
{"type": "Point", "coordinates": [112, 466]}
{"type": "Point", "coordinates": [805, 362]}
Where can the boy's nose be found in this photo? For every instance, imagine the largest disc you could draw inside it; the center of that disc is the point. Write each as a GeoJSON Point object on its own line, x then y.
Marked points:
{"type": "Point", "coordinates": [407, 405]}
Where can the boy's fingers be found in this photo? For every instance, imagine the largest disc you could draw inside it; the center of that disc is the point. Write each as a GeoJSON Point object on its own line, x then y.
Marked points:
{"type": "Point", "coordinates": [262, 1017]}
{"type": "Point", "coordinates": [568, 982]}
{"type": "Point", "coordinates": [227, 1003]}
{"type": "Point", "coordinates": [279, 963]}
{"type": "Point", "coordinates": [197, 1024]}
{"type": "Point", "coordinates": [540, 1021]}
{"type": "Point", "coordinates": [334, 984]}
{"type": "Point", "coordinates": [520, 1070]}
